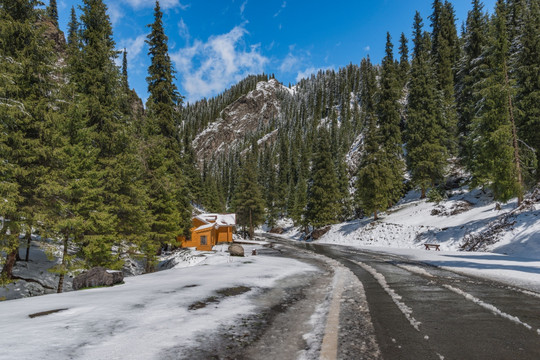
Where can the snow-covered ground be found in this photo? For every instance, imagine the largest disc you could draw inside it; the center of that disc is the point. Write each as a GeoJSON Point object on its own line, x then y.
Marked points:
{"type": "Point", "coordinates": [149, 317]}
{"type": "Point", "coordinates": [511, 253]}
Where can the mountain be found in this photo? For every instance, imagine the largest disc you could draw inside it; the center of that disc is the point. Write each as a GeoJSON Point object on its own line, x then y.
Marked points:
{"type": "Point", "coordinates": [247, 116]}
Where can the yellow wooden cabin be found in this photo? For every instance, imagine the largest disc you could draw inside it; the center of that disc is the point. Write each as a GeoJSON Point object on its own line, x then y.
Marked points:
{"type": "Point", "coordinates": [208, 230]}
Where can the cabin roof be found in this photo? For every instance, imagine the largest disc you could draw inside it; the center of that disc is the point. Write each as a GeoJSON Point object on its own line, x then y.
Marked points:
{"type": "Point", "coordinates": [215, 220]}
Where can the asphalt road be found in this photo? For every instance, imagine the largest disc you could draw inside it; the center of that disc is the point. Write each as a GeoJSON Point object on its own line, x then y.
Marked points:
{"type": "Point", "coordinates": [423, 312]}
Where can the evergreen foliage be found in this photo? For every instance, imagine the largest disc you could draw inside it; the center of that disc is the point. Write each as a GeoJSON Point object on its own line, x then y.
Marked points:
{"type": "Point", "coordinates": [389, 118]}
{"type": "Point", "coordinates": [493, 153]}
{"type": "Point", "coordinates": [167, 186]}
{"type": "Point", "coordinates": [426, 153]}
{"type": "Point", "coordinates": [527, 74]}
{"type": "Point", "coordinates": [323, 193]}
{"type": "Point", "coordinates": [52, 12]}
{"type": "Point", "coordinates": [444, 53]}
{"type": "Point", "coordinates": [25, 107]}
{"type": "Point", "coordinates": [248, 202]}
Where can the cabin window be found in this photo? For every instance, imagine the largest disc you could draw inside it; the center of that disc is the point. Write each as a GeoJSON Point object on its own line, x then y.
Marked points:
{"type": "Point", "coordinates": [203, 240]}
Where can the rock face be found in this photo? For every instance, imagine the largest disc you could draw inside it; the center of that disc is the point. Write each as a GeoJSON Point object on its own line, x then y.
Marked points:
{"type": "Point", "coordinates": [236, 250]}
{"type": "Point", "coordinates": [97, 276]}
{"type": "Point", "coordinates": [247, 115]}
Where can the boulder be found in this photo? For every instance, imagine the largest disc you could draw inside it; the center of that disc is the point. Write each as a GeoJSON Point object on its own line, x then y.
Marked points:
{"type": "Point", "coordinates": [97, 276]}
{"type": "Point", "coordinates": [236, 250]}
{"type": "Point", "coordinates": [277, 230]}
{"type": "Point", "coordinates": [318, 233]}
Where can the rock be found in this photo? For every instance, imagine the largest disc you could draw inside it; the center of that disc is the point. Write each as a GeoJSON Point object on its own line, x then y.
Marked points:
{"type": "Point", "coordinates": [97, 276]}
{"type": "Point", "coordinates": [236, 250]}
{"type": "Point", "coordinates": [318, 233]}
{"type": "Point", "coordinates": [277, 230]}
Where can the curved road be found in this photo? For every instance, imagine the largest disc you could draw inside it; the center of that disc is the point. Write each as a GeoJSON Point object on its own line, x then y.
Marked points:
{"type": "Point", "coordinates": [423, 312]}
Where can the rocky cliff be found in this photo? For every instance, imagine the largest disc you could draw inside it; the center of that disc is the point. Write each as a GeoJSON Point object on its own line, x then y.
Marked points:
{"type": "Point", "coordinates": [246, 116]}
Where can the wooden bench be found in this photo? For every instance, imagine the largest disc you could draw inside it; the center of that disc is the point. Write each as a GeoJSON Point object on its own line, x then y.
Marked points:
{"type": "Point", "coordinates": [437, 247]}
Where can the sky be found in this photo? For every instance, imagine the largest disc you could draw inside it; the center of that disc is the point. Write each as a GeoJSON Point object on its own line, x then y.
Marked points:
{"type": "Point", "coordinates": [215, 43]}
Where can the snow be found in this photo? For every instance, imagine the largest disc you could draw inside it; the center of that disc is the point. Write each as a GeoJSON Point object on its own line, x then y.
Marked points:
{"type": "Point", "coordinates": [406, 310]}
{"type": "Point", "coordinates": [487, 306]}
{"type": "Point", "coordinates": [512, 257]}
{"type": "Point", "coordinates": [147, 317]}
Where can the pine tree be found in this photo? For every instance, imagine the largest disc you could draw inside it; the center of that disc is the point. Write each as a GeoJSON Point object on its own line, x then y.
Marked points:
{"type": "Point", "coordinates": [528, 81]}
{"type": "Point", "coordinates": [493, 151]}
{"type": "Point", "coordinates": [248, 202]}
{"type": "Point", "coordinates": [322, 205]}
{"type": "Point", "coordinates": [166, 182]}
{"type": "Point", "coordinates": [115, 203]}
{"type": "Point", "coordinates": [26, 60]}
{"type": "Point", "coordinates": [164, 96]}
{"type": "Point", "coordinates": [52, 12]}
{"type": "Point", "coordinates": [374, 184]}
{"type": "Point", "coordinates": [474, 39]}
{"type": "Point", "coordinates": [404, 65]}
{"type": "Point", "coordinates": [389, 118]}
{"type": "Point", "coordinates": [444, 54]}
{"type": "Point", "coordinates": [125, 82]}
{"type": "Point", "coordinates": [300, 202]}
{"type": "Point", "coordinates": [426, 153]}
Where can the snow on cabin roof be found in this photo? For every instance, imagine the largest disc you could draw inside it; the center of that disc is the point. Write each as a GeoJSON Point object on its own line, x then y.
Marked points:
{"type": "Point", "coordinates": [216, 220]}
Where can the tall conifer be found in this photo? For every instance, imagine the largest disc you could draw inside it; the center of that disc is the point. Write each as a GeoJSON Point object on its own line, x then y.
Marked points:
{"type": "Point", "coordinates": [494, 164]}
{"type": "Point", "coordinates": [426, 154]}
{"type": "Point", "coordinates": [26, 86]}
{"type": "Point", "coordinates": [168, 188]}
{"type": "Point", "coordinates": [322, 206]}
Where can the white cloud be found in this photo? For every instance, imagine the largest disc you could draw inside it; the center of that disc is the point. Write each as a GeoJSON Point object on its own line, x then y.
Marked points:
{"type": "Point", "coordinates": [183, 30]}
{"type": "Point", "coordinates": [115, 13]}
{"type": "Point", "coordinates": [164, 4]}
{"type": "Point", "coordinates": [243, 7]}
{"type": "Point", "coordinates": [289, 63]}
{"type": "Point", "coordinates": [206, 68]}
{"type": "Point", "coordinates": [283, 6]}
{"type": "Point", "coordinates": [367, 48]}
{"type": "Point", "coordinates": [133, 46]}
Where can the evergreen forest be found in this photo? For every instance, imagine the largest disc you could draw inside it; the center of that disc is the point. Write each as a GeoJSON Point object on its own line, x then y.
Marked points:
{"type": "Point", "coordinates": [86, 165]}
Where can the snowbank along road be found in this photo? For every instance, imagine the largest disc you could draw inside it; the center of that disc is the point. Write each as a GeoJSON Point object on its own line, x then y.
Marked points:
{"type": "Point", "coordinates": [424, 312]}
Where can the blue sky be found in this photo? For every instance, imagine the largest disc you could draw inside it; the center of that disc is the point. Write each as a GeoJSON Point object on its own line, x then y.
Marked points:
{"type": "Point", "coordinates": [216, 43]}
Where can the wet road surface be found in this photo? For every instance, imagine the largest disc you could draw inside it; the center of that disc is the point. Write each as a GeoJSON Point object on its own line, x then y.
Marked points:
{"type": "Point", "coordinates": [423, 312]}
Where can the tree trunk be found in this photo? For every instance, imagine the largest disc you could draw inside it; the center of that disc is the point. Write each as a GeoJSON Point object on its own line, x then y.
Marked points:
{"type": "Point", "coordinates": [375, 215]}
{"type": "Point", "coordinates": [251, 231]}
{"type": "Point", "coordinates": [423, 195]}
{"type": "Point", "coordinates": [64, 255]}
{"type": "Point", "coordinates": [7, 270]}
{"type": "Point", "coordinates": [28, 243]}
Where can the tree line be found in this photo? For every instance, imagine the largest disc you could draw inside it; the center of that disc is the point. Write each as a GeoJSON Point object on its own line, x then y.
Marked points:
{"type": "Point", "coordinates": [468, 97]}
{"type": "Point", "coordinates": [82, 163]}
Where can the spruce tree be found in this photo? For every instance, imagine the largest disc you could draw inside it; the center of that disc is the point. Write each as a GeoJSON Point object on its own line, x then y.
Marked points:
{"type": "Point", "coordinates": [125, 82]}
{"type": "Point", "coordinates": [426, 153]}
{"type": "Point", "coordinates": [322, 204]}
{"type": "Point", "coordinates": [527, 72]}
{"type": "Point", "coordinates": [389, 118]}
{"type": "Point", "coordinates": [170, 210]}
{"type": "Point", "coordinates": [404, 65]}
{"type": "Point", "coordinates": [494, 162]}
{"type": "Point", "coordinates": [444, 53]}
{"type": "Point", "coordinates": [26, 89]}
{"type": "Point", "coordinates": [52, 12]}
{"type": "Point", "coordinates": [248, 202]}
{"type": "Point", "coordinates": [116, 201]}
{"type": "Point", "coordinates": [474, 39]}
{"type": "Point", "coordinates": [374, 184]}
